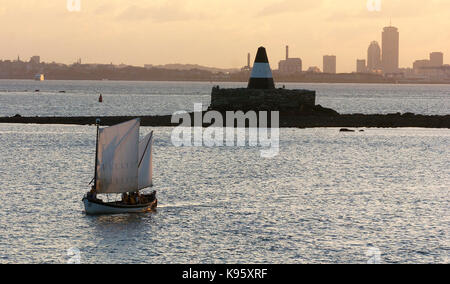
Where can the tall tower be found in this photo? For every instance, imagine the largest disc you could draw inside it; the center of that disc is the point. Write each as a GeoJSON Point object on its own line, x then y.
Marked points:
{"type": "Point", "coordinates": [373, 57]}
{"type": "Point", "coordinates": [287, 52]}
{"type": "Point", "coordinates": [390, 52]}
{"type": "Point", "coordinates": [248, 60]}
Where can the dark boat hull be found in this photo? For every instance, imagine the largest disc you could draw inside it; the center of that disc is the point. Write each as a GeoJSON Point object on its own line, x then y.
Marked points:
{"type": "Point", "coordinates": [98, 207]}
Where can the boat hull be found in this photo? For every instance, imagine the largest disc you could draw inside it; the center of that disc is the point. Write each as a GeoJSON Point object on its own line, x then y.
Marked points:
{"type": "Point", "coordinates": [99, 208]}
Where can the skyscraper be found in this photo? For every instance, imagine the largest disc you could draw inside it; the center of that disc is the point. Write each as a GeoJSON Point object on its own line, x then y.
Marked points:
{"type": "Point", "coordinates": [374, 57]}
{"type": "Point", "coordinates": [390, 52]}
{"type": "Point", "coordinates": [329, 64]}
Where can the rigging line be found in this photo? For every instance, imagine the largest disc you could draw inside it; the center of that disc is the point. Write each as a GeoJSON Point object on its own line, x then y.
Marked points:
{"type": "Point", "coordinates": [145, 150]}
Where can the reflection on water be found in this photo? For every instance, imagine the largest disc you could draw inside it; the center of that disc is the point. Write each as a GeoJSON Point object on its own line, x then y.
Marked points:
{"type": "Point", "coordinates": [119, 219]}
{"type": "Point", "coordinates": [106, 226]}
{"type": "Point", "coordinates": [327, 197]}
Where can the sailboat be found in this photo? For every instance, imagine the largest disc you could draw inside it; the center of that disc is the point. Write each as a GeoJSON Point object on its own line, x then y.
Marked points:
{"type": "Point", "coordinates": [123, 165]}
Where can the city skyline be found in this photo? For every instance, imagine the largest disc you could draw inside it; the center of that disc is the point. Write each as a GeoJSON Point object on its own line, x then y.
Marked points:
{"type": "Point", "coordinates": [162, 32]}
{"type": "Point", "coordinates": [377, 61]}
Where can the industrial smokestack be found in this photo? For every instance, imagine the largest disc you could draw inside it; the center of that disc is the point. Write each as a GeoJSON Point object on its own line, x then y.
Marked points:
{"type": "Point", "coordinates": [248, 60]}
{"type": "Point", "coordinates": [287, 52]}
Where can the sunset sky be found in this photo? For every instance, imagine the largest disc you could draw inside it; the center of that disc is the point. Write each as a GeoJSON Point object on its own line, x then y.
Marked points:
{"type": "Point", "coordinates": [218, 33]}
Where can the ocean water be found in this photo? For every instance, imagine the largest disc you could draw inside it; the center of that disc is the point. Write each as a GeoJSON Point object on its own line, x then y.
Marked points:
{"type": "Point", "coordinates": [80, 98]}
{"type": "Point", "coordinates": [328, 197]}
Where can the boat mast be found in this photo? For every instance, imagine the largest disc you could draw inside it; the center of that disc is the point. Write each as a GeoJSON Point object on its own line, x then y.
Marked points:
{"type": "Point", "coordinates": [97, 122]}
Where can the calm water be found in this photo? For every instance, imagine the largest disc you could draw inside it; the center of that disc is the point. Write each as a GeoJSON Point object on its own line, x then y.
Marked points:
{"type": "Point", "coordinates": [150, 98]}
{"type": "Point", "coordinates": [327, 197]}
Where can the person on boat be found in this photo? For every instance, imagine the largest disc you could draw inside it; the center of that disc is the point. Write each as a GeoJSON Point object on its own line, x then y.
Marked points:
{"type": "Point", "coordinates": [92, 194]}
{"type": "Point", "coordinates": [125, 198]}
{"type": "Point", "coordinates": [138, 197]}
{"type": "Point", "coordinates": [132, 199]}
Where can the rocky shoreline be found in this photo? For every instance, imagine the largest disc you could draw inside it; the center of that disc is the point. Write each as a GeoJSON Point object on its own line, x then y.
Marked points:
{"type": "Point", "coordinates": [292, 120]}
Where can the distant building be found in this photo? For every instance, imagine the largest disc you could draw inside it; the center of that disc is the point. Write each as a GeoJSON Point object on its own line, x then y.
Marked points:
{"type": "Point", "coordinates": [290, 65]}
{"type": "Point", "coordinates": [329, 64]}
{"type": "Point", "coordinates": [408, 73]}
{"type": "Point", "coordinates": [35, 60]}
{"type": "Point", "coordinates": [248, 67]}
{"type": "Point", "coordinates": [438, 74]}
{"type": "Point", "coordinates": [313, 69]}
{"type": "Point", "coordinates": [390, 50]}
{"type": "Point", "coordinates": [361, 66]}
{"type": "Point", "coordinates": [121, 66]}
{"type": "Point", "coordinates": [374, 57]}
{"type": "Point", "coordinates": [418, 65]}
{"type": "Point", "coordinates": [148, 66]}
{"type": "Point", "coordinates": [432, 69]}
{"type": "Point", "coordinates": [436, 59]}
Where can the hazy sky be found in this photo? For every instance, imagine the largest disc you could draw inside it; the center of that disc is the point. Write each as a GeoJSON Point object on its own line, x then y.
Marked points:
{"type": "Point", "coordinates": [218, 33]}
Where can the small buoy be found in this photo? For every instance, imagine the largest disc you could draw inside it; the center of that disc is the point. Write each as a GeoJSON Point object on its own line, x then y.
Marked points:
{"type": "Point", "coordinates": [100, 98]}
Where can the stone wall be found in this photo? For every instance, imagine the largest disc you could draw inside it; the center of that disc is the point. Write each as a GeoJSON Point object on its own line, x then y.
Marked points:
{"type": "Point", "coordinates": [261, 100]}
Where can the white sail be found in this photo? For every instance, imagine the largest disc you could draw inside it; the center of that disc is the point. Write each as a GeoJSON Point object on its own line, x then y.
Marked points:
{"type": "Point", "coordinates": [145, 159]}
{"type": "Point", "coordinates": [117, 158]}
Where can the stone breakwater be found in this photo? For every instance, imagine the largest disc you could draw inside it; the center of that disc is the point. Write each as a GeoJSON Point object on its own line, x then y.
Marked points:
{"type": "Point", "coordinates": [315, 117]}
{"type": "Point", "coordinates": [282, 100]}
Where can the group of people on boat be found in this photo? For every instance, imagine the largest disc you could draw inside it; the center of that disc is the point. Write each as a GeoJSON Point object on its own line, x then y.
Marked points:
{"type": "Point", "coordinates": [132, 198]}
